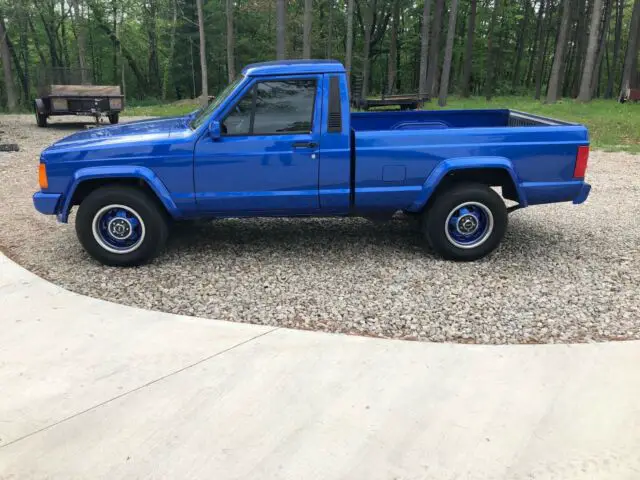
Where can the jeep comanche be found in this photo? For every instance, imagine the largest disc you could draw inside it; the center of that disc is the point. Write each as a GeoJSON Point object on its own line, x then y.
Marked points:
{"type": "Point", "coordinates": [281, 141]}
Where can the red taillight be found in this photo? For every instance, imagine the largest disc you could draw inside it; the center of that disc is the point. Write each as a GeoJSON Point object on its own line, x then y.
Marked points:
{"type": "Point", "coordinates": [582, 158]}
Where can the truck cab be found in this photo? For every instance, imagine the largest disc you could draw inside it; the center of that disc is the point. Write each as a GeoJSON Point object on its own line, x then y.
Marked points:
{"type": "Point", "coordinates": [281, 141]}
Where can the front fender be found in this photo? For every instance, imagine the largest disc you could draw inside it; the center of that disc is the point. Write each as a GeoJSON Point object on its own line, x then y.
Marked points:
{"type": "Point", "coordinates": [118, 171]}
{"type": "Point", "coordinates": [452, 164]}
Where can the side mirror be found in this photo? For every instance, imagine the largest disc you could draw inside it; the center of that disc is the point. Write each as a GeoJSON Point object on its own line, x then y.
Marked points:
{"type": "Point", "coordinates": [214, 130]}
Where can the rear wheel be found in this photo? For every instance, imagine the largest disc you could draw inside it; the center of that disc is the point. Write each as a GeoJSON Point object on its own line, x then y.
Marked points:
{"type": "Point", "coordinates": [466, 222]}
{"type": "Point", "coordinates": [121, 226]}
{"type": "Point", "coordinates": [114, 118]}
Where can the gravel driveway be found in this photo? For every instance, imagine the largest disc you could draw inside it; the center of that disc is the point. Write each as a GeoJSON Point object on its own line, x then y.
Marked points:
{"type": "Point", "coordinates": [564, 273]}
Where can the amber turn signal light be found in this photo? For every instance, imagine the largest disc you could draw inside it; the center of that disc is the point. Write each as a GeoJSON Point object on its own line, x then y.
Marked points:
{"type": "Point", "coordinates": [42, 177]}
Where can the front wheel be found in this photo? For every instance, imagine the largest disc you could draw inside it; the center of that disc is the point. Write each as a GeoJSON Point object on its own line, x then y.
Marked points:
{"type": "Point", "coordinates": [121, 226]}
{"type": "Point", "coordinates": [466, 222]}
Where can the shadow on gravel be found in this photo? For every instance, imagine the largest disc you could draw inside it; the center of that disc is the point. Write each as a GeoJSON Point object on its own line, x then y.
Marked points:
{"type": "Point", "coordinates": [524, 240]}
{"type": "Point", "coordinates": [269, 234]}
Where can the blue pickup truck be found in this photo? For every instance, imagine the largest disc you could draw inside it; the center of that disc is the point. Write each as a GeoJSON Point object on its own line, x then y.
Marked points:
{"type": "Point", "coordinates": [281, 141]}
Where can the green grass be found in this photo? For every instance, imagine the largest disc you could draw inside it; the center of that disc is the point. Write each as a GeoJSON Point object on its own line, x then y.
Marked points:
{"type": "Point", "coordinates": [160, 109]}
{"type": "Point", "coordinates": [612, 126]}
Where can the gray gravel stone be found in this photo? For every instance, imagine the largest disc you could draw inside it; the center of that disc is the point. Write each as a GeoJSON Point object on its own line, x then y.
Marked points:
{"type": "Point", "coordinates": [564, 273]}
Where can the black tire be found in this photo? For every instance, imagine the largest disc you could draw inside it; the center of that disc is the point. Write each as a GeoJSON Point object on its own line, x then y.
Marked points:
{"type": "Point", "coordinates": [41, 119]}
{"type": "Point", "coordinates": [152, 216]}
{"type": "Point", "coordinates": [114, 118]}
{"type": "Point", "coordinates": [468, 195]}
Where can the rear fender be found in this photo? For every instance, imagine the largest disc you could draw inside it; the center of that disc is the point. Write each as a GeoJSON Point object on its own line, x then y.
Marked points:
{"type": "Point", "coordinates": [452, 164]}
{"type": "Point", "coordinates": [118, 172]}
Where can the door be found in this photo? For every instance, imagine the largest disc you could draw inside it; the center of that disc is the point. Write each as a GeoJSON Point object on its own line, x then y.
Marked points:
{"type": "Point", "coordinates": [267, 158]}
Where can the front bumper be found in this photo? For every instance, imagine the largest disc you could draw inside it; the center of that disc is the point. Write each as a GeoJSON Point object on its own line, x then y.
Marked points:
{"type": "Point", "coordinates": [46, 203]}
{"type": "Point", "coordinates": [583, 194]}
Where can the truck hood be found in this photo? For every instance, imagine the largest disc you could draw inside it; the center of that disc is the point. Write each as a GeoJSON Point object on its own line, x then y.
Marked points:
{"type": "Point", "coordinates": [138, 131]}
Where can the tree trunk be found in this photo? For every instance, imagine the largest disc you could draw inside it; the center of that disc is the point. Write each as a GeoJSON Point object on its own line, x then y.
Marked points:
{"type": "Point", "coordinates": [329, 29]}
{"type": "Point", "coordinates": [515, 81]}
{"type": "Point", "coordinates": [434, 49]}
{"type": "Point", "coordinates": [172, 46]}
{"type": "Point", "coordinates": [306, 34]}
{"type": "Point", "coordinates": [468, 50]}
{"type": "Point", "coordinates": [349, 47]}
{"type": "Point", "coordinates": [63, 35]}
{"type": "Point", "coordinates": [24, 55]}
{"type": "Point", "coordinates": [448, 53]}
{"type": "Point", "coordinates": [367, 22]}
{"type": "Point", "coordinates": [231, 43]}
{"type": "Point", "coordinates": [488, 86]}
{"type": "Point", "coordinates": [5, 57]}
{"type": "Point", "coordinates": [393, 50]}
{"type": "Point", "coordinates": [543, 52]}
{"type": "Point", "coordinates": [632, 49]}
{"type": "Point", "coordinates": [81, 34]}
{"type": "Point", "coordinates": [122, 64]}
{"type": "Point", "coordinates": [537, 41]}
{"type": "Point", "coordinates": [36, 42]}
{"type": "Point", "coordinates": [597, 70]}
{"type": "Point", "coordinates": [616, 49]}
{"type": "Point", "coordinates": [114, 51]}
{"type": "Point", "coordinates": [581, 35]}
{"type": "Point", "coordinates": [204, 97]}
{"type": "Point", "coordinates": [48, 29]}
{"type": "Point", "coordinates": [424, 47]}
{"type": "Point", "coordinates": [281, 18]}
{"type": "Point", "coordinates": [558, 58]}
{"type": "Point", "coordinates": [592, 50]}
{"type": "Point", "coordinates": [20, 75]}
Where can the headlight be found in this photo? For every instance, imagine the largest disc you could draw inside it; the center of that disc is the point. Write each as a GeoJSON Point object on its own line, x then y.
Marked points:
{"type": "Point", "coordinates": [115, 103]}
{"type": "Point", "coordinates": [59, 104]}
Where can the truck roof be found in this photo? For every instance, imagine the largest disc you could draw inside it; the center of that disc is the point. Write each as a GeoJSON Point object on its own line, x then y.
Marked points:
{"type": "Point", "coordinates": [293, 67]}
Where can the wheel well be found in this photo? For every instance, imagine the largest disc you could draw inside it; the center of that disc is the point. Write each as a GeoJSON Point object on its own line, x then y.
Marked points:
{"type": "Point", "coordinates": [492, 177]}
{"type": "Point", "coordinates": [88, 186]}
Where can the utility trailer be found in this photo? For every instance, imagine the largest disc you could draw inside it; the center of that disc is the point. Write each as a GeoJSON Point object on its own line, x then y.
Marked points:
{"type": "Point", "coordinates": [404, 101]}
{"type": "Point", "coordinates": [69, 91]}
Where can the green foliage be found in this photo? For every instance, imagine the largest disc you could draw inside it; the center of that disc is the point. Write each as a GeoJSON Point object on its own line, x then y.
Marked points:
{"type": "Point", "coordinates": [44, 33]}
{"type": "Point", "coordinates": [613, 126]}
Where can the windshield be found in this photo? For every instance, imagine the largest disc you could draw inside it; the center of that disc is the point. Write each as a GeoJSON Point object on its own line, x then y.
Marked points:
{"type": "Point", "coordinates": [204, 113]}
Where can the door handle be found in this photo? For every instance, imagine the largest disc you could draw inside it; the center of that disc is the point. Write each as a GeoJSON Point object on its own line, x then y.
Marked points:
{"type": "Point", "coordinates": [304, 145]}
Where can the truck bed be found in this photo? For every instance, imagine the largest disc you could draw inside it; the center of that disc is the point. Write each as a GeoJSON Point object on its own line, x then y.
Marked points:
{"type": "Point", "coordinates": [395, 151]}
{"type": "Point", "coordinates": [441, 119]}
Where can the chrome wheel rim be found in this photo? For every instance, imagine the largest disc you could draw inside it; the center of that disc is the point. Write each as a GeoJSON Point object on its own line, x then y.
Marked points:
{"type": "Point", "coordinates": [469, 225]}
{"type": "Point", "coordinates": [118, 229]}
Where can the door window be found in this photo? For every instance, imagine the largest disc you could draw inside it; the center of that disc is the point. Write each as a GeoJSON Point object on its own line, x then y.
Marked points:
{"type": "Point", "coordinates": [274, 107]}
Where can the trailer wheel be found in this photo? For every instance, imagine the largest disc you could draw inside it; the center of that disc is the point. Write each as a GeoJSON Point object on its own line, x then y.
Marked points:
{"type": "Point", "coordinates": [114, 118]}
{"type": "Point", "coordinates": [466, 222]}
{"type": "Point", "coordinates": [41, 119]}
{"type": "Point", "coordinates": [121, 226]}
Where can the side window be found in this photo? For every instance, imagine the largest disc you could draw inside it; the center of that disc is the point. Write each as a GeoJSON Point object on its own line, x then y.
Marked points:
{"type": "Point", "coordinates": [284, 106]}
{"type": "Point", "coordinates": [281, 106]}
{"type": "Point", "coordinates": [238, 122]}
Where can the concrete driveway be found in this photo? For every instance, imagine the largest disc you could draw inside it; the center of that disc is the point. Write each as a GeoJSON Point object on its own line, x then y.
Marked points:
{"type": "Point", "coordinates": [91, 389]}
